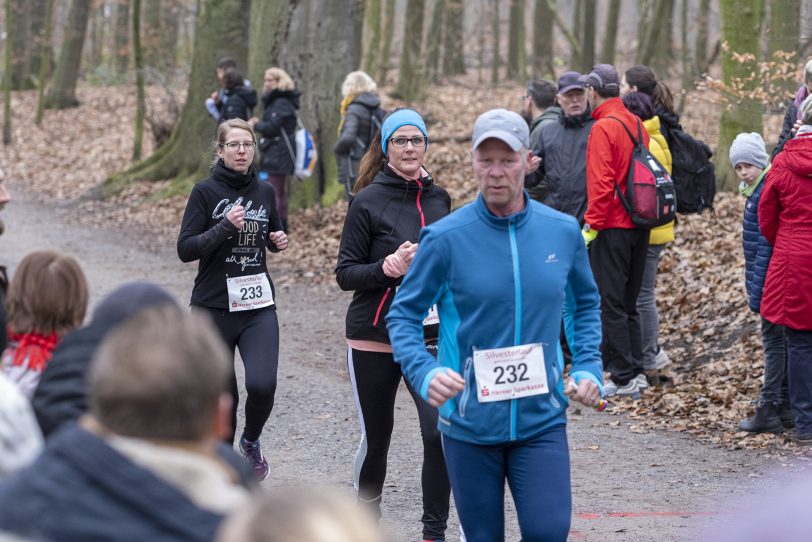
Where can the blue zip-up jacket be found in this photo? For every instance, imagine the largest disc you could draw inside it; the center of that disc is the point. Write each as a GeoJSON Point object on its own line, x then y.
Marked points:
{"type": "Point", "coordinates": [757, 251]}
{"type": "Point", "coordinates": [499, 282]}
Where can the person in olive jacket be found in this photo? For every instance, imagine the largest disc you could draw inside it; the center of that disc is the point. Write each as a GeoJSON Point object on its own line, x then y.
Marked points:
{"type": "Point", "coordinates": [277, 130]}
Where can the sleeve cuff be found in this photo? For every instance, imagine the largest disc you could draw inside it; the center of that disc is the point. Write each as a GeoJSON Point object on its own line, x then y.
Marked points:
{"type": "Point", "coordinates": [577, 376]}
{"type": "Point", "coordinates": [424, 386]}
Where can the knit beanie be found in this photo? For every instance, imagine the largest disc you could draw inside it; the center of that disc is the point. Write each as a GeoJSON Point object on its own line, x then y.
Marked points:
{"type": "Point", "coordinates": [398, 118]}
{"type": "Point", "coordinates": [750, 149]}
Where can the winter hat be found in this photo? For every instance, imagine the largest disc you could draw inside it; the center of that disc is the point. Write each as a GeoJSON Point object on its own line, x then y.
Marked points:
{"type": "Point", "coordinates": [20, 436]}
{"type": "Point", "coordinates": [750, 149]}
{"type": "Point", "coordinates": [398, 118]}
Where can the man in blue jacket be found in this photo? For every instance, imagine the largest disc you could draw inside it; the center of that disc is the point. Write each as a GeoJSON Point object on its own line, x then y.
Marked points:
{"type": "Point", "coordinates": [502, 271]}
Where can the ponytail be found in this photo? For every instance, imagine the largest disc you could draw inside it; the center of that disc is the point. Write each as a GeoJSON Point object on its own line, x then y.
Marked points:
{"type": "Point", "coordinates": [662, 96]}
{"type": "Point", "coordinates": [372, 163]}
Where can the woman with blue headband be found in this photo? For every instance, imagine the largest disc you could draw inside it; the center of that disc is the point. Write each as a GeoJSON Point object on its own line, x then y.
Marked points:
{"type": "Point", "coordinates": [395, 198]}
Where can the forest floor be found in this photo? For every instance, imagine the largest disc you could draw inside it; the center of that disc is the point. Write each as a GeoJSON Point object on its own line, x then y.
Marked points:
{"type": "Point", "coordinates": [710, 335]}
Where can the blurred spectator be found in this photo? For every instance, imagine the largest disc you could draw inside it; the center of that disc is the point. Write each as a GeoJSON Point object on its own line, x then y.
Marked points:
{"type": "Point", "coordinates": [241, 99]}
{"type": "Point", "coordinates": [540, 107]}
{"type": "Point", "coordinates": [47, 298]}
{"type": "Point", "coordinates": [20, 438]}
{"type": "Point", "coordinates": [143, 465]}
{"type": "Point", "coordinates": [793, 116]}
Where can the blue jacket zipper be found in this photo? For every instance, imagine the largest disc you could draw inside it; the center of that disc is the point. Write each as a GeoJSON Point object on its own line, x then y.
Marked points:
{"type": "Point", "coordinates": [517, 334]}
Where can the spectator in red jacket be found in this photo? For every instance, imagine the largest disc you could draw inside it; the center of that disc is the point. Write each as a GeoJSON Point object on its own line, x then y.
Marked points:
{"type": "Point", "coordinates": [785, 217]}
{"type": "Point", "coordinates": [617, 248]}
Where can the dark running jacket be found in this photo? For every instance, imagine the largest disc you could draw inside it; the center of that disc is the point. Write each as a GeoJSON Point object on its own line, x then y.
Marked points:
{"type": "Point", "coordinates": [356, 133]}
{"type": "Point", "coordinates": [278, 117]}
{"type": "Point", "coordinates": [379, 219]}
{"type": "Point", "coordinates": [239, 105]}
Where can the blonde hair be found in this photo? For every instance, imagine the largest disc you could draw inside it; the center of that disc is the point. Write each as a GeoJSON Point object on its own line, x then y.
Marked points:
{"type": "Point", "coordinates": [357, 82]}
{"type": "Point", "coordinates": [806, 110]}
{"type": "Point", "coordinates": [222, 132]}
{"type": "Point", "coordinates": [48, 294]}
{"type": "Point", "coordinates": [808, 72]}
{"type": "Point", "coordinates": [283, 80]}
{"type": "Point", "coordinates": [300, 515]}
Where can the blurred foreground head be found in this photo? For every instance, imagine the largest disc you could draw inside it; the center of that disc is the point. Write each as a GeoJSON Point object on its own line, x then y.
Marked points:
{"type": "Point", "coordinates": [162, 375]}
{"type": "Point", "coordinates": [300, 515]}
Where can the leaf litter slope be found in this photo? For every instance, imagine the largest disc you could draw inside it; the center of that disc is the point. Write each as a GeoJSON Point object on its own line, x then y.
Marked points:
{"type": "Point", "coordinates": [711, 336]}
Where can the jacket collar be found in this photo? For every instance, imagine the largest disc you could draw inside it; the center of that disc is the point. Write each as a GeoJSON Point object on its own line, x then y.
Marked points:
{"type": "Point", "coordinates": [500, 222]}
{"type": "Point", "coordinates": [609, 107]}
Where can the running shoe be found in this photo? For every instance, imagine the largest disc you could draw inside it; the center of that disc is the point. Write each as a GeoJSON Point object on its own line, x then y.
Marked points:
{"type": "Point", "coordinates": [252, 452]}
{"type": "Point", "coordinates": [642, 381]}
{"type": "Point", "coordinates": [610, 389]}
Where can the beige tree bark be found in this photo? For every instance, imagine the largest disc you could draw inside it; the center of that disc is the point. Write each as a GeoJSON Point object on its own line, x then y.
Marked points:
{"type": "Point", "coordinates": [63, 89]}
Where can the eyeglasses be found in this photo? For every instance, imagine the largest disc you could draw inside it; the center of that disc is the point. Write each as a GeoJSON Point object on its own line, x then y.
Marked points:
{"type": "Point", "coordinates": [400, 142]}
{"type": "Point", "coordinates": [235, 145]}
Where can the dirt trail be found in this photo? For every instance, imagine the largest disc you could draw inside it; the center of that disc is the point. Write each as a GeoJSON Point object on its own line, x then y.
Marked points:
{"type": "Point", "coordinates": [626, 486]}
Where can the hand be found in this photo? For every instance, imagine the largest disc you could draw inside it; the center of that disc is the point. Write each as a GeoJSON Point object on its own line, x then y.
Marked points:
{"type": "Point", "coordinates": [585, 392]}
{"type": "Point", "coordinates": [237, 216]}
{"type": "Point", "coordinates": [215, 96]}
{"type": "Point", "coordinates": [444, 386]}
{"type": "Point", "coordinates": [589, 235]}
{"type": "Point", "coordinates": [795, 126]}
{"type": "Point", "coordinates": [533, 164]}
{"type": "Point", "coordinates": [396, 264]}
{"type": "Point", "coordinates": [279, 239]}
{"type": "Point", "coordinates": [407, 251]}
{"type": "Point", "coordinates": [252, 121]}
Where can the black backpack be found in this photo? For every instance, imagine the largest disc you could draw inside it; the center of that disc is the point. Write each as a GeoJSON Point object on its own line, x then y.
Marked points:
{"type": "Point", "coordinates": [692, 171]}
{"type": "Point", "coordinates": [375, 121]}
{"type": "Point", "coordinates": [650, 198]}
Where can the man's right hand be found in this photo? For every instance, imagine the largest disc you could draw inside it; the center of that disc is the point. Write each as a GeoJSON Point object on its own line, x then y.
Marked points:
{"type": "Point", "coordinates": [444, 386]}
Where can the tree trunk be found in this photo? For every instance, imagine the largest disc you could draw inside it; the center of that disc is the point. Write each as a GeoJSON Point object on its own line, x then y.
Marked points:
{"type": "Point", "coordinates": [435, 40]}
{"type": "Point", "coordinates": [543, 40]}
{"type": "Point", "coordinates": [386, 39]}
{"type": "Point", "coordinates": [97, 35]}
{"type": "Point", "coordinates": [515, 40]}
{"type": "Point", "coordinates": [39, 52]}
{"type": "Point", "coordinates": [7, 80]}
{"type": "Point", "coordinates": [663, 39]}
{"type": "Point", "coordinates": [685, 51]}
{"type": "Point", "coordinates": [588, 52]}
{"type": "Point", "coordinates": [170, 21]}
{"type": "Point", "coordinates": [187, 153]}
{"type": "Point", "coordinates": [701, 43]}
{"type": "Point", "coordinates": [783, 34]}
{"type": "Point", "coordinates": [44, 63]}
{"type": "Point", "coordinates": [453, 57]}
{"type": "Point", "coordinates": [495, 27]}
{"type": "Point", "coordinates": [609, 46]}
{"type": "Point", "coordinates": [371, 46]}
{"type": "Point", "coordinates": [140, 101]}
{"type": "Point", "coordinates": [121, 54]}
{"type": "Point", "coordinates": [63, 89]}
{"type": "Point", "coordinates": [21, 45]}
{"type": "Point", "coordinates": [410, 86]}
{"type": "Point", "coordinates": [270, 28]}
{"type": "Point", "coordinates": [577, 31]}
{"type": "Point", "coordinates": [741, 20]}
{"type": "Point", "coordinates": [358, 28]}
{"type": "Point", "coordinates": [151, 35]}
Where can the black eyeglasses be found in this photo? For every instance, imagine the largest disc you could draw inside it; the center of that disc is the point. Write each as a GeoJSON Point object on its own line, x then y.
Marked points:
{"type": "Point", "coordinates": [400, 141]}
{"type": "Point", "coordinates": [235, 145]}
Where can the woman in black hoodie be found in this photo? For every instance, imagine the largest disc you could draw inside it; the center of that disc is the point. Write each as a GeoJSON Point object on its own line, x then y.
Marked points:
{"type": "Point", "coordinates": [229, 221]}
{"type": "Point", "coordinates": [277, 130]}
{"type": "Point", "coordinates": [395, 198]}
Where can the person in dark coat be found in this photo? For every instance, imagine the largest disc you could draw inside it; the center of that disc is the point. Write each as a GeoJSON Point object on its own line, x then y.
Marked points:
{"type": "Point", "coordinates": [240, 101]}
{"type": "Point", "coordinates": [143, 464]}
{"type": "Point", "coordinates": [361, 116]}
{"type": "Point", "coordinates": [748, 156]}
{"type": "Point", "coordinates": [276, 130]}
{"type": "Point", "coordinates": [61, 396]}
{"type": "Point", "coordinates": [4, 198]}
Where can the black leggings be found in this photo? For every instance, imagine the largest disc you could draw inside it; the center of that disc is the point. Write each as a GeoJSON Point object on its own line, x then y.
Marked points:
{"type": "Point", "coordinates": [256, 334]}
{"type": "Point", "coordinates": [375, 379]}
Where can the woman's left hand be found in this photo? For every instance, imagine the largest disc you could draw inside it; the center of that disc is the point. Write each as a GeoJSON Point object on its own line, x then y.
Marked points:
{"type": "Point", "coordinates": [279, 239]}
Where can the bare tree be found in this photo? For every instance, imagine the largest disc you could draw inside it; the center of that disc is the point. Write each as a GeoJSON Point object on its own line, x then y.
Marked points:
{"type": "Point", "coordinates": [371, 45]}
{"type": "Point", "coordinates": [140, 101]}
{"type": "Point", "coordinates": [453, 58]}
{"type": "Point", "coordinates": [63, 89]}
{"type": "Point", "coordinates": [7, 80]}
{"type": "Point", "coordinates": [386, 38]}
{"type": "Point", "coordinates": [43, 65]}
{"type": "Point", "coordinates": [121, 53]}
{"type": "Point", "coordinates": [783, 34]}
{"type": "Point", "coordinates": [410, 87]}
{"type": "Point", "coordinates": [516, 38]}
{"type": "Point", "coordinates": [609, 45]}
{"type": "Point", "coordinates": [495, 27]}
{"type": "Point", "coordinates": [542, 40]}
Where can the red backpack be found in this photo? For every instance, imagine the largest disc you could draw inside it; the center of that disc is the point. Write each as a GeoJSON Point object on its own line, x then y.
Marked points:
{"type": "Point", "coordinates": [650, 198]}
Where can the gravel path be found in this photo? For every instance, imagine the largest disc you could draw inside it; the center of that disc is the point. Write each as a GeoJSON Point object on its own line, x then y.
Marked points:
{"type": "Point", "coordinates": [626, 486]}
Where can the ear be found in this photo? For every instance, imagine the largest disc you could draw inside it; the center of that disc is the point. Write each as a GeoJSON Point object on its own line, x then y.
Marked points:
{"type": "Point", "coordinates": [221, 424]}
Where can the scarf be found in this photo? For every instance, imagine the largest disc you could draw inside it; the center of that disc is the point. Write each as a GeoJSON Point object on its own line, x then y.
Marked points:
{"type": "Point", "coordinates": [233, 178]}
{"type": "Point", "coordinates": [33, 349]}
{"type": "Point", "coordinates": [746, 190]}
{"type": "Point", "coordinates": [342, 110]}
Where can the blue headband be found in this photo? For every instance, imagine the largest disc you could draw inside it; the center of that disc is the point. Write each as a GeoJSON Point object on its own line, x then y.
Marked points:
{"type": "Point", "coordinates": [396, 119]}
